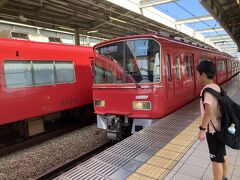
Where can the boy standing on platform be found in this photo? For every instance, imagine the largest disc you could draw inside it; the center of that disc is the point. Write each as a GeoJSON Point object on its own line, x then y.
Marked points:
{"type": "Point", "coordinates": [211, 117]}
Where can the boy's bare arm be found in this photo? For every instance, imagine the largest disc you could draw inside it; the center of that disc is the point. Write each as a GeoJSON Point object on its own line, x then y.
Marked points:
{"type": "Point", "coordinates": [207, 115]}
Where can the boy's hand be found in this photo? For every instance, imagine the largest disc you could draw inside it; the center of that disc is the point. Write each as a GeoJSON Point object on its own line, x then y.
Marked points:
{"type": "Point", "coordinates": [201, 135]}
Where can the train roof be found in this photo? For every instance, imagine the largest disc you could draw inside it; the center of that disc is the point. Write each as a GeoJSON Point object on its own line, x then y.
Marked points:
{"type": "Point", "coordinates": [5, 40]}
{"type": "Point", "coordinates": [177, 40]}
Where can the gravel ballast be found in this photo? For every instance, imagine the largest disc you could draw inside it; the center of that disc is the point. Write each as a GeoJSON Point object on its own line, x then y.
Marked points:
{"type": "Point", "coordinates": [34, 161]}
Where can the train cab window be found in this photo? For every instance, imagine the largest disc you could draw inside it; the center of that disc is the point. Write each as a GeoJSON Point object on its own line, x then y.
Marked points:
{"type": "Point", "coordinates": [178, 71]}
{"type": "Point", "coordinates": [168, 67]}
{"type": "Point", "coordinates": [99, 74]}
{"type": "Point", "coordinates": [64, 72]}
{"type": "Point", "coordinates": [104, 75]}
{"type": "Point", "coordinates": [130, 61]}
{"type": "Point", "coordinates": [43, 72]}
{"type": "Point", "coordinates": [17, 73]}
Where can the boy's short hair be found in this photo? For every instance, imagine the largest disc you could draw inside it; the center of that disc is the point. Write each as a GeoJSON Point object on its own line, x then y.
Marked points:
{"type": "Point", "coordinates": [208, 68]}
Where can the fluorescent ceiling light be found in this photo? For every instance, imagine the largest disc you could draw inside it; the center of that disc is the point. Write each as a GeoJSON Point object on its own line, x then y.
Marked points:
{"type": "Point", "coordinates": [60, 2]}
{"type": "Point", "coordinates": [119, 20]}
{"type": "Point", "coordinates": [66, 28]}
{"type": "Point", "coordinates": [93, 31]}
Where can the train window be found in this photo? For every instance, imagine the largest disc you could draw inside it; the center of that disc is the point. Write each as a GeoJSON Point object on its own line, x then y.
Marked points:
{"type": "Point", "coordinates": [187, 62]}
{"type": "Point", "coordinates": [178, 71]}
{"type": "Point", "coordinates": [43, 72]}
{"type": "Point", "coordinates": [17, 73]}
{"type": "Point", "coordinates": [229, 66]}
{"type": "Point", "coordinates": [143, 60]}
{"type": "Point", "coordinates": [168, 66]}
{"type": "Point", "coordinates": [98, 75]}
{"type": "Point", "coordinates": [221, 66]}
{"type": "Point", "coordinates": [191, 64]}
{"type": "Point", "coordinates": [64, 72]}
{"type": "Point", "coordinates": [131, 61]}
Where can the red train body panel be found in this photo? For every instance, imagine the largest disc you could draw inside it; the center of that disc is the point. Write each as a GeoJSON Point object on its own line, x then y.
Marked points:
{"type": "Point", "coordinates": [20, 103]}
{"type": "Point", "coordinates": [177, 84]}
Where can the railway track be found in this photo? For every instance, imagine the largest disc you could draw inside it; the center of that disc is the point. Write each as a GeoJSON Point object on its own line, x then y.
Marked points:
{"type": "Point", "coordinates": [20, 143]}
{"type": "Point", "coordinates": [54, 172]}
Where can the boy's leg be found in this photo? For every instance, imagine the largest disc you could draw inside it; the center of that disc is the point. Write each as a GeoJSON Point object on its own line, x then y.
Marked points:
{"type": "Point", "coordinates": [225, 166]}
{"type": "Point", "coordinates": [217, 170]}
{"type": "Point", "coordinates": [217, 155]}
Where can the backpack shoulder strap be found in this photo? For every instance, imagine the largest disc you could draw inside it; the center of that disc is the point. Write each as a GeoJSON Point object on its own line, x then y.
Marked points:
{"type": "Point", "coordinates": [213, 92]}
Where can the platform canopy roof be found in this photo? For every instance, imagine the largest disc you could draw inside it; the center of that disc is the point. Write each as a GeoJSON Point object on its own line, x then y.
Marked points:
{"type": "Point", "coordinates": [106, 18]}
{"type": "Point", "coordinates": [227, 13]}
{"type": "Point", "coordinates": [100, 18]}
{"type": "Point", "coordinates": [218, 22]}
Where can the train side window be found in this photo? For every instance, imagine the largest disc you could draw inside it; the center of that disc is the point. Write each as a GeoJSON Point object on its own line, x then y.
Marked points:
{"type": "Point", "coordinates": [229, 65]}
{"type": "Point", "coordinates": [168, 66]}
{"type": "Point", "coordinates": [178, 72]}
{"type": "Point", "coordinates": [17, 73]}
{"type": "Point", "coordinates": [191, 65]}
{"type": "Point", "coordinates": [43, 72]}
{"type": "Point", "coordinates": [187, 65]}
{"type": "Point", "coordinates": [221, 66]}
{"type": "Point", "coordinates": [64, 72]}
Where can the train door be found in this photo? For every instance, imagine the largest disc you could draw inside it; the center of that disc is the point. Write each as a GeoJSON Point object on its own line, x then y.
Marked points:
{"type": "Point", "coordinates": [169, 76]}
{"type": "Point", "coordinates": [189, 76]}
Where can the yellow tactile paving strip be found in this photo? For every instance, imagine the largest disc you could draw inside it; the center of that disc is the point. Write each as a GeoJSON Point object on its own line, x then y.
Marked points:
{"type": "Point", "coordinates": [161, 163]}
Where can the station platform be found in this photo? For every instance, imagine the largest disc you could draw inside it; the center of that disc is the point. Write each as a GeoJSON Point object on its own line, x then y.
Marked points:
{"type": "Point", "coordinates": [169, 150]}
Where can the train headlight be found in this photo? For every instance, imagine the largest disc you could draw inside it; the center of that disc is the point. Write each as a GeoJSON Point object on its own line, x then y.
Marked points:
{"type": "Point", "coordinates": [99, 103]}
{"type": "Point", "coordinates": [141, 105]}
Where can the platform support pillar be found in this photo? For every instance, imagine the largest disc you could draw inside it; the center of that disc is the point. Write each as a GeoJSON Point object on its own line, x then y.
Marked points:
{"type": "Point", "coordinates": [77, 39]}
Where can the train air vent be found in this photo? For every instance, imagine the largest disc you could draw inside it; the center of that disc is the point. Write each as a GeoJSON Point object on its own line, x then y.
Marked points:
{"type": "Point", "coordinates": [54, 39]}
{"type": "Point", "coordinates": [18, 35]}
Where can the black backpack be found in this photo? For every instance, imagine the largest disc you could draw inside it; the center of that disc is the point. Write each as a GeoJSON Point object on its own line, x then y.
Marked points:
{"type": "Point", "coordinates": [230, 112]}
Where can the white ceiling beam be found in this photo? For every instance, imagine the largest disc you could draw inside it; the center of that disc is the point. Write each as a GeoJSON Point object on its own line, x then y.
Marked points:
{"type": "Point", "coordinates": [227, 45]}
{"type": "Point", "coordinates": [230, 48]}
{"type": "Point", "coordinates": [223, 43]}
{"type": "Point", "coordinates": [150, 3]}
{"type": "Point", "coordinates": [194, 19]}
{"type": "Point", "coordinates": [218, 36]}
{"type": "Point", "coordinates": [209, 30]}
{"type": "Point", "coordinates": [224, 49]}
{"type": "Point", "coordinates": [221, 40]}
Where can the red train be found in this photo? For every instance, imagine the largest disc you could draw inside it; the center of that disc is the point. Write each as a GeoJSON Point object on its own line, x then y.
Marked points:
{"type": "Point", "coordinates": [40, 80]}
{"type": "Point", "coordinates": [140, 78]}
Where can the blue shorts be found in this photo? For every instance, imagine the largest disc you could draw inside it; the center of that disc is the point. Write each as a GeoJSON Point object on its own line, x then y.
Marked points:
{"type": "Point", "coordinates": [217, 149]}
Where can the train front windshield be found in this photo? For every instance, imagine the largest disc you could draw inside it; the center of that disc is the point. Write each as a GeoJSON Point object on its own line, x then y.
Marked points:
{"type": "Point", "coordinates": [132, 61]}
